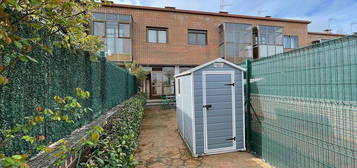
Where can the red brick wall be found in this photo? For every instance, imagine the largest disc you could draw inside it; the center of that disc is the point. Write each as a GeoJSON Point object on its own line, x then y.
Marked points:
{"type": "Point", "coordinates": [177, 51]}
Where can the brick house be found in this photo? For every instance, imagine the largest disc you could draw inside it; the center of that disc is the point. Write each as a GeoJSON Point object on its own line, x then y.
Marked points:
{"type": "Point", "coordinates": [166, 41]}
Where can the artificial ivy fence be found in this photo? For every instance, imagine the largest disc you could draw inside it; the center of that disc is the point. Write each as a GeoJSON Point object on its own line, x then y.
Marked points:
{"type": "Point", "coordinates": [117, 146]}
{"type": "Point", "coordinates": [58, 74]}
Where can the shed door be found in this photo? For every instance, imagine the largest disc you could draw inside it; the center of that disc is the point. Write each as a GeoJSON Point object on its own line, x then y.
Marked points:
{"type": "Point", "coordinates": [219, 111]}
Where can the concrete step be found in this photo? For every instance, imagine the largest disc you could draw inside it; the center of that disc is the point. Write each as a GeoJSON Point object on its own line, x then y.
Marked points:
{"type": "Point", "coordinates": [153, 100]}
{"type": "Point", "coordinates": [154, 104]}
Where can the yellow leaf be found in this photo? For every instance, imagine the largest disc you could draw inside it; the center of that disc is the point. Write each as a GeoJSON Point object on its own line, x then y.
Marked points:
{"type": "Point", "coordinates": [49, 149]}
{"type": "Point", "coordinates": [59, 99]}
{"type": "Point", "coordinates": [25, 155]}
{"type": "Point", "coordinates": [39, 118]}
{"type": "Point", "coordinates": [95, 136]}
{"type": "Point", "coordinates": [65, 117]}
{"type": "Point", "coordinates": [8, 40]}
{"type": "Point", "coordinates": [3, 80]}
{"type": "Point", "coordinates": [78, 105]}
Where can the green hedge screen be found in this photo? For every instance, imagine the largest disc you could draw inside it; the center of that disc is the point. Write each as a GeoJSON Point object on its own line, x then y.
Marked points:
{"type": "Point", "coordinates": [35, 84]}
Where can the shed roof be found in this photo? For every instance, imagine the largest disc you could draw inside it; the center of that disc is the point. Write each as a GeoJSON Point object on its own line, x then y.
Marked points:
{"type": "Point", "coordinates": [220, 60]}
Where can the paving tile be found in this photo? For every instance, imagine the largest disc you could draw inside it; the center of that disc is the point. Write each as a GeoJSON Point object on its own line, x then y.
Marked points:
{"type": "Point", "coordinates": [160, 146]}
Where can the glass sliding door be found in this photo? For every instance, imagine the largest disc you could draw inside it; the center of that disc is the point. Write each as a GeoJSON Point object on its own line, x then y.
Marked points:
{"type": "Point", "coordinates": [168, 81]}
{"type": "Point", "coordinates": [162, 81]}
{"type": "Point", "coordinates": [156, 83]}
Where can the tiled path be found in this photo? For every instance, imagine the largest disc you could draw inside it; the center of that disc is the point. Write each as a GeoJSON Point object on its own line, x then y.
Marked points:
{"type": "Point", "coordinates": [160, 146]}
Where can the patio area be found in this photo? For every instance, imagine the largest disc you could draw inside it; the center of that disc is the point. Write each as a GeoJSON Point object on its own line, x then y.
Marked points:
{"type": "Point", "coordinates": [161, 146]}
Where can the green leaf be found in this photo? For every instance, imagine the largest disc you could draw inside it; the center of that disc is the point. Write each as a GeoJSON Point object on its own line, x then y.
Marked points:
{"type": "Point", "coordinates": [17, 157]}
{"type": "Point", "coordinates": [57, 117]}
{"type": "Point", "coordinates": [100, 160]}
{"type": "Point", "coordinates": [93, 58]}
{"type": "Point", "coordinates": [12, 2]}
{"type": "Point", "coordinates": [48, 111]}
{"type": "Point", "coordinates": [36, 2]}
{"type": "Point", "coordinates": [28, 139]}
{"type": "Point", "coordinates": [41, 148]}
{"type": "Point", "coordinates": [99, 128]}
{"type": "Point", "coordinates": [31, 59]}
{"type": "Point", "coordinates": [18, 44]}
{"type": "Point", "coordinates": [23, 58]}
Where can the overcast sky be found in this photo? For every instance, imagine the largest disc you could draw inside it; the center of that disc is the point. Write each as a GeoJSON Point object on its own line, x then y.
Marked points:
{"type": "Point", "coordinates": [339, 15]}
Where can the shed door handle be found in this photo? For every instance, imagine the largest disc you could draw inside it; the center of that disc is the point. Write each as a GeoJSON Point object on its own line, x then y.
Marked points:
{"type": "Point", "coordinates": [207, 106]}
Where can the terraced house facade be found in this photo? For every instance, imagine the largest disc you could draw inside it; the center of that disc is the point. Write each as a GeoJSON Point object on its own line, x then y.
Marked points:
{"type": "Point", "coordinates": [167, 41]}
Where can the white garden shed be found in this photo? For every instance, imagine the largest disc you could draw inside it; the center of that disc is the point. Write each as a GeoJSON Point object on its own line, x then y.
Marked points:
{"type": "Point", "coordinates": [210, 107]}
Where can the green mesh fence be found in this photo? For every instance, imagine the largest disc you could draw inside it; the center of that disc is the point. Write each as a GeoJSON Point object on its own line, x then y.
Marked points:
{"type": "Point", "coordinates": [35, 84]}
{"type": "Point", "coordinates": [304, 106]}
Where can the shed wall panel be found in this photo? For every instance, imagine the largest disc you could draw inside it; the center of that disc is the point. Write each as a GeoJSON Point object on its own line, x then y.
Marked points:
{"type": "Point", "coordinates": [178, 108]}
{"type": "Point", "coordinates": [184, 108]}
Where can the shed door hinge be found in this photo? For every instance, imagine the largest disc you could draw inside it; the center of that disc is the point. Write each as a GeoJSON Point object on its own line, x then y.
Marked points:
{"type": "Point", "coordinates": [229, 84]}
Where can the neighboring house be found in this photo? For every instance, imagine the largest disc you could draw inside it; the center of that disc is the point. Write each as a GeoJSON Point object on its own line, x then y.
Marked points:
{"type": "Point", "coordinates": [167, 41]}
{"type": "Point", "coordinates": [318, 37]}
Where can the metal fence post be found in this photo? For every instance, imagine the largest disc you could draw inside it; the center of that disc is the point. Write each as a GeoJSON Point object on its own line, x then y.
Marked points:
{"type": "Point", "coordinates": [247, 104]}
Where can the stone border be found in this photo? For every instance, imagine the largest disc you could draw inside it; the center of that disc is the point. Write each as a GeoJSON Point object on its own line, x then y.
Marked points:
{"type": "Point", "coordinates": [46, 160]}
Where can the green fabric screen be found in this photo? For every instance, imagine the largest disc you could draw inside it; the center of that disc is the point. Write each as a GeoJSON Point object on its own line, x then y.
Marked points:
{"type": "Point", "coordinates": [304, 106]}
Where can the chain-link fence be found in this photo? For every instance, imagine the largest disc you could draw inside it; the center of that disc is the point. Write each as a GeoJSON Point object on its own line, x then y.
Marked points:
{"type": "Point", "coordinates": [304, 106]}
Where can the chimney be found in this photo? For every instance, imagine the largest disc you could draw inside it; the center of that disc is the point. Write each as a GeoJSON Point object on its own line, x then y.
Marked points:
{"type": "Point", "coordinates": [170, 7]}
{"type": "Point", "coordinates": [268, 16]}
{"type": "Point", "coordinates": [328, 30]}
{"type": "Point", "coordinates": [223, 12]}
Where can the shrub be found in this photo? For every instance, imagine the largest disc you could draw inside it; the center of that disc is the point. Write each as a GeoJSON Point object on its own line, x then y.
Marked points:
{"type": "Point", "coordinates": [118, 143]}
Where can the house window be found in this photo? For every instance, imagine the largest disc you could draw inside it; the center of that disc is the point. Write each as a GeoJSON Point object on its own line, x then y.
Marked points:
{"type": "Point", "coordinates": [124, 30]}
{"type": "Point", "coordinates": [270, 35]}
{"type": "Point", "coordinates": [237, 43]}
{"type": "Point", "coordinates": [156, 35]}
{"type": "Point", "coordinates": [99, 28]}
{"type": "Point", "coordinates": [197, 37]}
{"type": "Point", "coordinates": [290, 42]}
{"type": "Point", "coordinates": [115, 30]}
